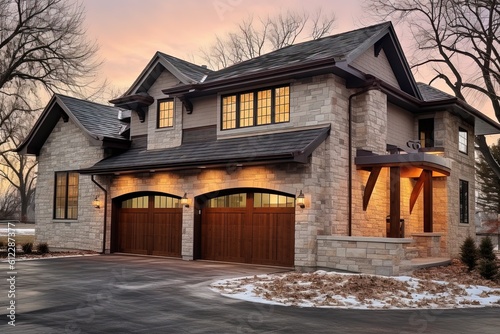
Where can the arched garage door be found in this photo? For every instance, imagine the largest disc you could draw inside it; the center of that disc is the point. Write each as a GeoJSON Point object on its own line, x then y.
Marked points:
{"type": "Point", "coordinates": [149, 224]}
{"type": "Point", "coordinates": [249, 227]}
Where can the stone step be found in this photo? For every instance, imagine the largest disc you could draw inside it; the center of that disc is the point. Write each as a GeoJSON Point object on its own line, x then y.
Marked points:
{"type": "Point", "coordinates": [418, 263]}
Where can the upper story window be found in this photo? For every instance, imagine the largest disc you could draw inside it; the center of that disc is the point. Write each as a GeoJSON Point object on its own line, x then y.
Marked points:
{"type": "Point", "coordinates": [261, 107]}
{"type": "Point", "coordinates": [165, 115]}
{"type": "Point", "coordinates": [66, 195]}
{"type": "Point", "coordinates": [463, 141]}
{"type": "Point", "coordinates": [426, 132]}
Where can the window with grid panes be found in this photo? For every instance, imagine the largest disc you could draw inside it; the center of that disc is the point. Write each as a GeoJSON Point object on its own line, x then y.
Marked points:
{"type": "Point", "coordinates": [259, 107]}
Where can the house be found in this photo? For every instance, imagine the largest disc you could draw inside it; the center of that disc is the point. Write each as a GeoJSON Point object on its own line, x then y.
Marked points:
{"type": "Point", "coordinates": [323, 154]}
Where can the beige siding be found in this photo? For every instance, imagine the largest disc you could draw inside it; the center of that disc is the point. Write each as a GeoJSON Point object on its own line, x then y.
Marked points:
{"type": "Point", "coordinates": [400, 126]}
{"type": "Point", "coordinates": [136, 127]}
{"type": "Point", "coordinates": [204, 113]}
{"type": "Point", "coordinates": [377, 66]}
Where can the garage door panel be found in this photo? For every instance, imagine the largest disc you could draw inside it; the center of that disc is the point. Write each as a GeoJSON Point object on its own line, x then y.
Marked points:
{"type": "Point", "coordinates": [133, 232]}
{"type": "Point", "coordinates": [273, 238]}
{"type": "Point", "coordinates": [144, 229]}
{"type": "Point", "coordinates": [262, 235]}
{"type": "Point", "coordinates": [167, 233]}
{"type": "Point", "coordinates": [222, 237]}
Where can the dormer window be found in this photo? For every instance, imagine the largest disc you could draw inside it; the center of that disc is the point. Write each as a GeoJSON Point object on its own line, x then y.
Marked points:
{"type": "Point", "coordinates": [261, 107]}
{"type": "Point", "coordinates": [165, 114]}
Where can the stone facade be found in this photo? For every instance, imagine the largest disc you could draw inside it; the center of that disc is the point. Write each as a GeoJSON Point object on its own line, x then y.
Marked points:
{"type": "Point", "coordinates": [378, 256]}
{"type": "Point", "coordinates": [68, 149]}
{"type": "Point", "coordinates": [321, 228]}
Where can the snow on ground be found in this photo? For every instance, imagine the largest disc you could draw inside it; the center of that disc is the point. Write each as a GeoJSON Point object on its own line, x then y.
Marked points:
{"type": "Point", "coordinates": [356, 291]}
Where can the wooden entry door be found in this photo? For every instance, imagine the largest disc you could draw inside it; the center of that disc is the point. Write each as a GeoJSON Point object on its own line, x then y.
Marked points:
{"type": "Point", "coordinates": [249, 230]}
{"type": "Point", "coordinates": [151, 225]}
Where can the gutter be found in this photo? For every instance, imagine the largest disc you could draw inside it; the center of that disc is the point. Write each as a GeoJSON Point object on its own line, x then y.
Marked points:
{"type": "Point", "coordinates": [325, 64]}
{"type": "Point", "coordinates": [105, 212]}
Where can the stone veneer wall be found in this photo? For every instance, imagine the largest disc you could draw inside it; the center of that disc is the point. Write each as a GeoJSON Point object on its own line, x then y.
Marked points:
{"type": "Point", "coordinates": [67, 149]}
{"type": "Point", "coordinates": [379, 256]}
{"type": "Point", "coordinates": [288, 178]}
{"type": "Point", "coordinates": [370, 133]}
{"type": "Point", "coordinates": [462, 168]}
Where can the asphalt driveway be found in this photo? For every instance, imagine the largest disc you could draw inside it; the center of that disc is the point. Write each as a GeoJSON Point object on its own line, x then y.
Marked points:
{"type": "Point", "coordinates": [128, 294]}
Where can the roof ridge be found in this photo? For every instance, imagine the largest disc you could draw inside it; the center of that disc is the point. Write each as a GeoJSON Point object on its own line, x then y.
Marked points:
{"type": "Point", "coordinates": [87, 101]}
{"type": "Point", "coordinates": [185, 61]}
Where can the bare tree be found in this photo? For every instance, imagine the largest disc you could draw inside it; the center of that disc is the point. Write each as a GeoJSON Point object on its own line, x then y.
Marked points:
{"type": "Point", "coordinates": [9, 204]}
{"type": "Point", "coordinates": [19, 171]}
{"type": "Point", "coordinates": [42, 47]}
{"type": "Point", "coordinates": [43, 43]}
{"type": "Point", "coordinates": [255, 37]}
{"type": "Point", "coordinates": [459, 41]}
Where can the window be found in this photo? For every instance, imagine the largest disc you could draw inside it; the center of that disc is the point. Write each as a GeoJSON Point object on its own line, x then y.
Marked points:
{"type": "Point", "coordinates": [158, 202]}
{"type": "Point", "coordinates": [426, 132]}
{"type": "Point", "coordinates": [265, 200]}
{"type": "Point", "coordinates": [462, 140]}
{"type": "Point", "coordinates": [165, 113]}
{"type": "Point", "coordinates": [267, 106]}
{"type": "Point", "coordinates": [228, 201]}
{"type": "Point", "coordinates": [66, 195]}
{"type": "Point", "coordinates": [464, 201]}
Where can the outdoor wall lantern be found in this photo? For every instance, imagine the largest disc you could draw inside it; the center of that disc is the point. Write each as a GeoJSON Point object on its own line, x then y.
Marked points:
{"type": "Point", "coordinates": [95, 203]}
{"type": "Point", "coordinates": [185, 201]}
{"type": "Point", "coordinates": [300, 200]}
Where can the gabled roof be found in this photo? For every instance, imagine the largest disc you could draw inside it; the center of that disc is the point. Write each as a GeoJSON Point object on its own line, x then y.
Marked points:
{"type": "Point", "coordinates": [433, 97]}
{"type": "Point", "coordinates": [332, 54]}
{"type": "Point", "coordinates": [186, 72]}
{"type": "Point", "coordinates": [292, 146]}
{"type": "Point", "coordinates": [98, 122]}
{"type": "Point", "coordinates": [339, 47]}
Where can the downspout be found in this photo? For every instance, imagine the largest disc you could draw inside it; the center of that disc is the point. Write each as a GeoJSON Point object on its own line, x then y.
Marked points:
{"type": "Point", "coordinates": [105, 212]}
{"type": "Point", "coordinates": [373, 84]}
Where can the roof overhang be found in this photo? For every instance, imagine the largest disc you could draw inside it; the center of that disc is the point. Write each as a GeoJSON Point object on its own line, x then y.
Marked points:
{"type": "Point", "coordinates": [411, 163]}
{"type": "Point", "coordinates": [483, 125]}
{"type": "Point", "coordinates": [291, 146]}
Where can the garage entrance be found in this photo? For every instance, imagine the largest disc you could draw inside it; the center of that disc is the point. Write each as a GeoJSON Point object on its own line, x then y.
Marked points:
{"type": "Point", "coordinates": [148, 223]}
{"type": "Point", "coordinates": [249, 227]}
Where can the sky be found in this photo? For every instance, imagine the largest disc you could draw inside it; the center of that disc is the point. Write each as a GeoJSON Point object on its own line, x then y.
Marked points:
{"type": "Point", "coordinates": [129, 32]}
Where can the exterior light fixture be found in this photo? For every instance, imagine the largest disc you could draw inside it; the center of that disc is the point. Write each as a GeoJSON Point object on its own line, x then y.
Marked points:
{"type": "Point", "coordinates": [185, 201]}
{"type": "Point", "coordinates": [300, 200]}
{"type": "Point", "coordinates": [95, 203]}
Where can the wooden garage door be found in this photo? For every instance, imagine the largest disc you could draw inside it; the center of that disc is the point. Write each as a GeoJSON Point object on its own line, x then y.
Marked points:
{"type": "Point", "coordinates": [150, 224]}
{"type": "Point", "coordinates": [256, 228]}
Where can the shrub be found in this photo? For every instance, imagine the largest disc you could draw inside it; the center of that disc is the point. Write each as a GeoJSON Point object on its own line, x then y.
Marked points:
{"type": "Point", "coordinates": [27, 248]}
{"type": "Point", "coordinates": [468, 253]}
{"type": "Point", "coordinates": [488, 268]}
{"type": "Point", "coordinates": [486, 249]}
{"type": "Point", "coordinates": [43, 248]}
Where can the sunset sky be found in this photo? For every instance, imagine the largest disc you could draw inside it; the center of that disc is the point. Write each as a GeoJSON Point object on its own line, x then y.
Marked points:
{"type": "Point", "coordinates": [129, 32]}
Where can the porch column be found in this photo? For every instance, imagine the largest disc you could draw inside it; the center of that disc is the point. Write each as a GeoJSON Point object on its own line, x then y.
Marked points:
{"type": "Point", "coordinates": [428, 200]}
{"type": "Point", "coordinates": [395, 201]}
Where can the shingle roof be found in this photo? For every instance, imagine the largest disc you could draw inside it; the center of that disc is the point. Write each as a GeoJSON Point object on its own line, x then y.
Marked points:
{"type": "Point", "coordinates": [98, 119]}
{"type": "Point", "coordinates": [193, 71]}
{"type": "Point", "coordinates": [338, 47]}
{"type": "Point", "coordinates": [430, 93]}
{"type": "Point", "coordinates": [282, 147]}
